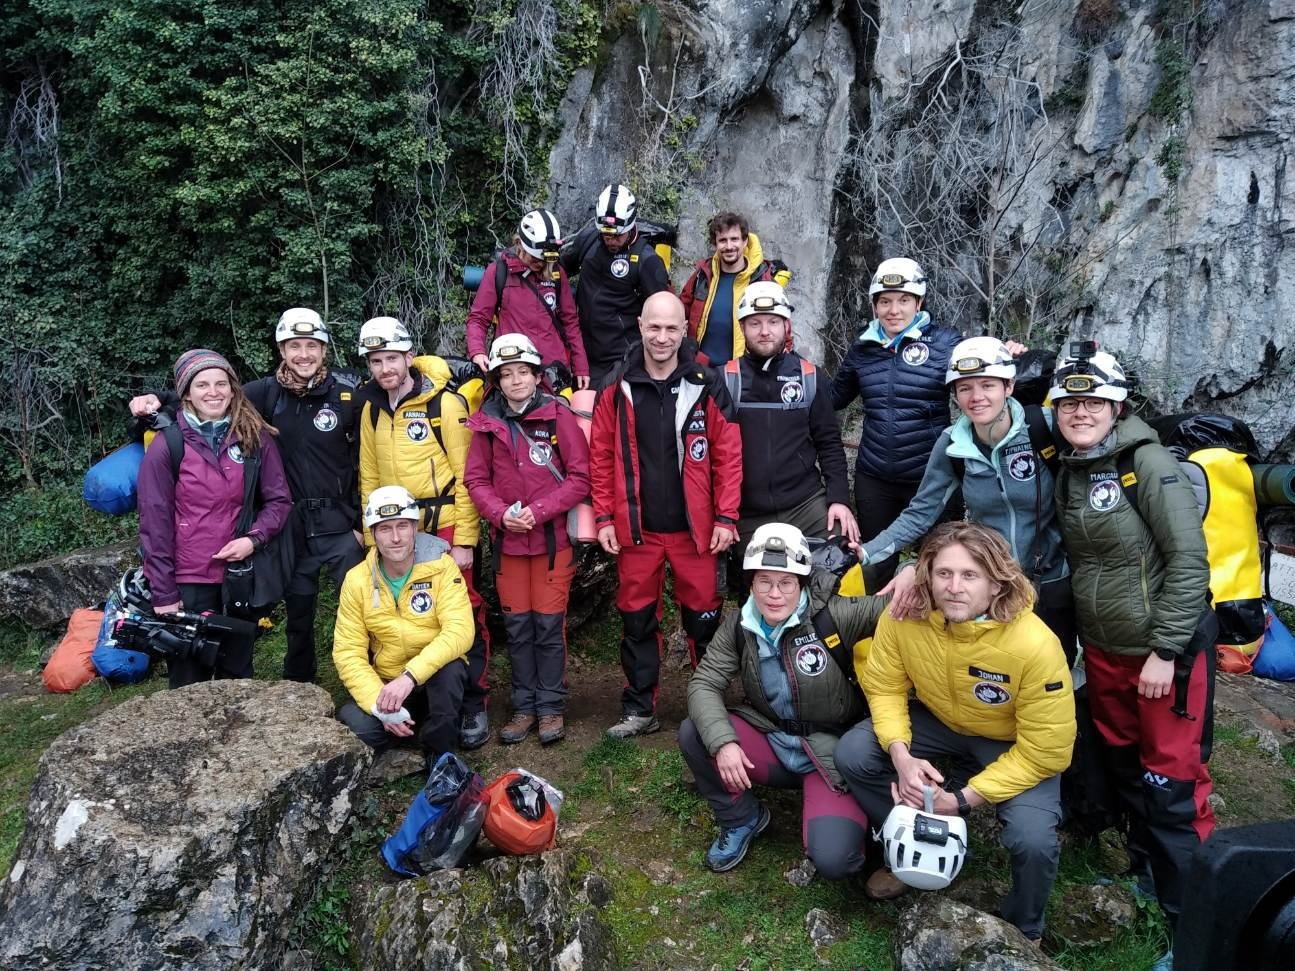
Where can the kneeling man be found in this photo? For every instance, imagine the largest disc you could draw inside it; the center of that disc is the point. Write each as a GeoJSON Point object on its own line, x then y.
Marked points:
{"type": "Point", "coordinates": [404, 628]}
{"type": "Point", "coordinates": [992, 695]}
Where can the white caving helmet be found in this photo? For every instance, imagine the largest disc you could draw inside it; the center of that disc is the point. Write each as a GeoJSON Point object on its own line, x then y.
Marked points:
{"type": "Point", "coordinates": [512, 349]}
{"type": "Point", "coordinates": [390, 502]}
{"type": "Point", "coordinates": [540, 234]}
{"type": "Point", "coordinates": [1090, 373]}
{"type": "Point", "coordinates": [980, 357]}
{"type": "Point", "coordinates": [924, 850]}
{"type": "Point", "coordinates": [300, 322]}
{"type": "Point", "coordinates": [384, 334]}
{"type": "Point", "coordinates": [764, 297]}
{"type": "Point", "coordinates": [617, 210]}
{"type": "Point", "coordinates": [780, 547]}
{"type": "Point", "coordinates": [900, 273]}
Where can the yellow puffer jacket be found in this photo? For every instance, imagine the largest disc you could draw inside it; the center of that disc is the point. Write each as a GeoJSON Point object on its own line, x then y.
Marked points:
{"type": "Point", "coordinates": [376, 639]}
{"type": "Point", "coordinates": [1007, 682]}
{"type": "Point", "coordinates": [400, 448]}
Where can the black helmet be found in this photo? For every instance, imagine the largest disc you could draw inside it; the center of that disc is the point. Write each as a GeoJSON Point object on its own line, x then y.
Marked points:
{"type": "Point", "coordinates": [133, 591]}
{"type": "Point", "coordinates": [832, 554]}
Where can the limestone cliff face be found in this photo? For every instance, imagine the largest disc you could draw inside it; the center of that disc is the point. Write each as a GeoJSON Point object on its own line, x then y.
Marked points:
{"type": "Point", "coordinates": [1152, 210]}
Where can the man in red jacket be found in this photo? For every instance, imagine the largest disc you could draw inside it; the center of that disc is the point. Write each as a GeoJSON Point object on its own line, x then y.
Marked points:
{"type": "Point", "coordinates": [665, 464]}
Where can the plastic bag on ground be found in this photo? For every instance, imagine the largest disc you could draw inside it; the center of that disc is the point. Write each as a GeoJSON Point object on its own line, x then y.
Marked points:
{"type": "Point", "coordinates": [442, 823]}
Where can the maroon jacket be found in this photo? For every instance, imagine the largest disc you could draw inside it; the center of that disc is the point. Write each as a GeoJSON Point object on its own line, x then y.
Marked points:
{"type": "Point", "coordinates": [183, 522]}
{"type": "Point", "coordinates": [523, 311]}
{"type": "Point", "coordinates": [502, 469]}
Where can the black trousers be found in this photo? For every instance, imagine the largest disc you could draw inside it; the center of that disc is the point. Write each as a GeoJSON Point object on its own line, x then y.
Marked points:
{"type": "Point", "coordinates": [878, 503]}
{"type": "Point", "coordinates": [337, 553]}
{"type": "Point", "coordinates": [434, 706]}
{"type": "Point", "coordinates": [234, 659]}
{"type": "Point", "coordinates": [1055, 606]}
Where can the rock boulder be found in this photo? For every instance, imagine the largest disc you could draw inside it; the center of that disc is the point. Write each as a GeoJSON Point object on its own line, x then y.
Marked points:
{"type": "Point", "coordinates": [182, 830]}
{"type": "Point", "coordinates": [939, 934]}
{"type": "Point", "coordinates": [511, 912]}
{"type": "Point", "coordinates": [44, 594]}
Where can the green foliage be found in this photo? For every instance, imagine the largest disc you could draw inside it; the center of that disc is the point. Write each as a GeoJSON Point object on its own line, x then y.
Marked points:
{"type": "Point", "coordinates": [1173, 95]}
{"type": "Point", "coordinates": [42, 522]}
{"type": "Point", "coordinates": [1172, 156]}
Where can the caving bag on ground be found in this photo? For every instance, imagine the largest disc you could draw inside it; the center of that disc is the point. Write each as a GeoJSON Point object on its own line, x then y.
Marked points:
{"type": "Point", "coordinates": [113, 661]}
{"type": "Point", "coordinates": [442, 823]}
{"type": "Point", "coordinates": [69, 667]}
{"type": "Point", "coordinates": [1275, 658]}
{"type": "Point", "coordinates": [523, 814]}
{"type": "Point", "coordinates": [1215, 453]}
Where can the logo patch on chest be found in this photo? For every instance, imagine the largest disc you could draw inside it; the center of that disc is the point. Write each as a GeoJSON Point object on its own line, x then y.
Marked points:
{"type": "Point", "coordinates": [620, 268]}
{"type": "Point", "coordinates": [235, 453]}
{"type": "Point", "coordinates": [541, 453]}
{"type": "Point", "coordinates": [418, 431]}
{"type": "Point", "coordinates": [988, 693]}
{"type": "Point", "coordinates": [326, 419]}
{"type": "Point", "coordinates": [697, 450]}
{"type": "Point", "coordinates": [421, 602]}
{"type": "Point", "coordinates": [915, 354]}
{"type": "Point", "coordinates": [811, 660]}
{"type": "Point", "coordinates": [1021, 466]}
{"type": "Point", "coordinates": [792, 392]}
{"type": "Point", "coordinates": [1104, 495]}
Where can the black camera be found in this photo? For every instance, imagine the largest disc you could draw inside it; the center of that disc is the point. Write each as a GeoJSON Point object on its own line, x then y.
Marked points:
{"type": "Point", "coordinates": [1083, 350]}
{"type": "Point", "coordinates": [180, 636]}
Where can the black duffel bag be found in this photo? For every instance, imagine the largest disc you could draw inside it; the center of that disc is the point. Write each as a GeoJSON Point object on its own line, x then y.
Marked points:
{"type": "Point", "coordinates": [253, 586]}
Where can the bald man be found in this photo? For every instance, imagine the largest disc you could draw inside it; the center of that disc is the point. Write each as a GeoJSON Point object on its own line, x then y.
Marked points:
{"type": "Point", "coordinates": [665, 464]}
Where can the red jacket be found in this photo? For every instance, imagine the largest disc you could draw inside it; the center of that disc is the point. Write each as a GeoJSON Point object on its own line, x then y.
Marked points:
{"type": "Point", "coordinates": [502, 468]}
{"type": "Point", "coordinates": [709, 442]}
{"type": "Point", "coordinates": [524, 311]}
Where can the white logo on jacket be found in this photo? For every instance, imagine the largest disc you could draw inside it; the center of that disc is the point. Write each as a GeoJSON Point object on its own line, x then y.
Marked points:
{"type": "Point", "coordinates": [620, 268]}
{"type": "Point", "coordinates": [421, 602]}
{"type": "Point", "coordinates": [1021, 466]}
{"type": "Point", "coordinates": [235, 453]}
{"type": "Point", "coordinates": [792, 392]}
{"type": "Point", "coordinates": [418, 431]}
{"type": "Point", "coordinates": [988, 693]}
{"type": "Point", "coordinates": [1104, 495]}
{"type": "Point", "coordinates": [915, 354]}
{"type": "Point", "coordinates": [811, 660]}
{"type": "Point", "coordinates": [326, 419]}
{"type": "Point", "coordinates": [541, 453]}
{"type": "Point", "coordinates": [697, 450]}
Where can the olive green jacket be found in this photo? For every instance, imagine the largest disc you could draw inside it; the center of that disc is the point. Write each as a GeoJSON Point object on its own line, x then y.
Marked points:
{"type": "Point", "coordinates": [1140, 580]}
{"type": "Point", "coordinates": [823, 693]}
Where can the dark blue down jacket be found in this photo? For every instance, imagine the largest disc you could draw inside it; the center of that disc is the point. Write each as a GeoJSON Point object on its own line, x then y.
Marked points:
{"type": "Point", "coordinates": [905, 403]}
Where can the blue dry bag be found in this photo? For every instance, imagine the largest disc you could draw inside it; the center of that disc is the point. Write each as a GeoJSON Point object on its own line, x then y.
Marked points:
{"type": "Point", "coordinates": [1276, 656]}
{"type": "Point", "coordinates": [111, 482]}
{"type": "Point", "coordinates": [112, 661]}
{"type": "Point", "coordinates": [442, 822]}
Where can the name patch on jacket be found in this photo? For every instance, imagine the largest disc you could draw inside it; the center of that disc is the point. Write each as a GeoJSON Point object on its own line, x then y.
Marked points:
{"type": "Point", "coordinates": [415, 414]}
{"type": "Point", "coordinates": [984, 675]}
{"type": "Point", "coordinates": [421, 585]}
{"type": "Point", "coordinates": [421, 602]}
{"type": "Point", "coordinates": [988, 693]}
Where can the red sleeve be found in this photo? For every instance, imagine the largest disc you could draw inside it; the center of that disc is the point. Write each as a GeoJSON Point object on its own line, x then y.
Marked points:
{"type": "Point", "coordinates": [575, 459]}
{"type": "Point", "coordinates": [686, 298]}
{"type": "Point", "coordinates": [482, 313]}
{"type": "Point", "coordinates": [478, 477]}
{"type": "Point", "coordinates": [725, 436]}
{"type": "Point", "coordinates": [602, 456]}
{"type": "Point", "coordinates": [571, 327]}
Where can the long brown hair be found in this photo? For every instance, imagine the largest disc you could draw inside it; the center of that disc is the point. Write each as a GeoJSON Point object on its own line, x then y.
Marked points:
{"type": "Point", "coordinates": [245, 422]}
{"type": "Point", "coordinates": [988, 548]}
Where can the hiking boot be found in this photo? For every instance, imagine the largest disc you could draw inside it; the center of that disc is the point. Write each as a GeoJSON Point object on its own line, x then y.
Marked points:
{"type": "Point", "coordinates": [884, 885]}
{"type": "Point", "coordinates": [523, 722]}
{"type": "Point", "coordinates": [552, 729]}
{"type": "Point", "coordinates": [474, 731]}
{"type": "Point", "coordinates": [631, 725]}
{"type": "Point", "coordinates": [731, 844]}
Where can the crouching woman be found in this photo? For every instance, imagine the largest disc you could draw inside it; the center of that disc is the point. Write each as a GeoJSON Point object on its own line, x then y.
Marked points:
{"type": "Point", "coordinates": [800, 701]}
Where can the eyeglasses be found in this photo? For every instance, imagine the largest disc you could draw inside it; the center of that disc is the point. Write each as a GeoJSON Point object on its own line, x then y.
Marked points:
{"type": "Point", "coordinates": [785, 585]}
{"type": "Point", "coordinates": [1093, 406]}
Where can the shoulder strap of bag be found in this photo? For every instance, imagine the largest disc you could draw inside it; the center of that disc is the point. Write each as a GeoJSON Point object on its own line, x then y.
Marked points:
{"type": "Point", "coordinates": [842, 653]}
{"type": "Point", "coordinates": [1042, 440]}
{"type": "Point", "coordinates": [251, 475]}
{"type": "Point", "coordinates": [501, 281]}
{"type": "Point", "coordinates": [1124, 467]}
{"type": "Point", "coordinates": [174, 446]}
{"type": "Point", "coordinates": [733, 379]}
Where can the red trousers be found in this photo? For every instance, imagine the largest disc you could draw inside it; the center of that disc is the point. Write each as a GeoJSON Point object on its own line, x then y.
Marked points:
{"type": "Point", "coordinates": [641, 573]}
{"type": "Point", "coordinates": [534, 603]}
{"type": "Point", "coordinates": [1157, 760]}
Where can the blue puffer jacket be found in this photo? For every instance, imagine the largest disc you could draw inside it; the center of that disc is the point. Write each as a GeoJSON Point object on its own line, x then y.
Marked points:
{"type": "Point", "coordinates": [905, 404]}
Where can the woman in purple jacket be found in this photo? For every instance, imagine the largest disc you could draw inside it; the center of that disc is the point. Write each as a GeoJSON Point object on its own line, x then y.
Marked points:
{"type": "Point", "coordinates": [527, 467]}
{"type": "Point", "coordinates": [187, 521]}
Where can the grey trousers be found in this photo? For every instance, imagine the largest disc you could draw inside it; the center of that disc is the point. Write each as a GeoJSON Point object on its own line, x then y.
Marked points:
{"type": "Point", "coordinates": [1029, 819]}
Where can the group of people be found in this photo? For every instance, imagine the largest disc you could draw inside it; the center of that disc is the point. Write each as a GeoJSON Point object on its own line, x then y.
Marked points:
{"type": "Point", "coordinates": [708, 432]}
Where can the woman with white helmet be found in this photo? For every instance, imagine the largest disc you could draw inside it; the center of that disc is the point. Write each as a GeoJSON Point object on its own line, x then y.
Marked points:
{"type": "Point", "coordinates": [1141, 580]}
{"type": "Point", "coordinates": [527, 469]}
{"type": "Point", "coordinates": [1001, 454]}
{"type": "Point", "coordinates": [791, 646]}
{"type": "Point", "coordinates": [526, 291]}
{"type": "Point", "coordinates": [896, 366]}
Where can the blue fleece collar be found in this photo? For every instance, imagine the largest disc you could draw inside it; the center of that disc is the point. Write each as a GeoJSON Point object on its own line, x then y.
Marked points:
{"type": "Point", "coordinates": [876, 334]}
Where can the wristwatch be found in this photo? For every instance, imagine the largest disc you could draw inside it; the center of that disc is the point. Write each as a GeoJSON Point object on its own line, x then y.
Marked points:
{"type": "Point", "coordinates": [963, 807]}
{"type": "Point", "coordinates": [1166, 655]}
